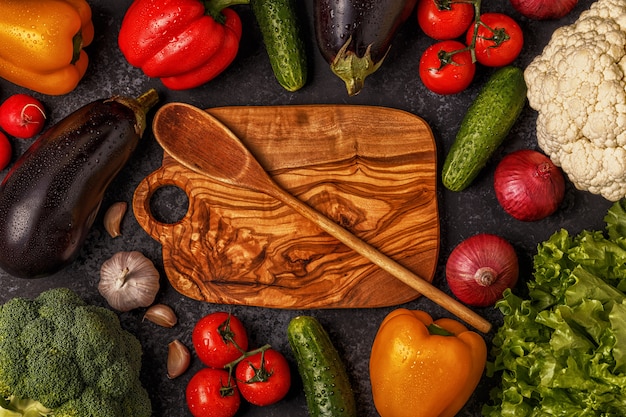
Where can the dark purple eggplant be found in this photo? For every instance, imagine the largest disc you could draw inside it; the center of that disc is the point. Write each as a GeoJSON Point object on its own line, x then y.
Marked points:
{"type": "Point", "coordinates": [51, 196]}
{"type": "Point", "coordinates": [354, 36]}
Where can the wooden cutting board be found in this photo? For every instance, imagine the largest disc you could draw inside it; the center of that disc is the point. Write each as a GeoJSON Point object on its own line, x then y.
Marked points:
{"type": "Point", "coordinates": [370, 169]}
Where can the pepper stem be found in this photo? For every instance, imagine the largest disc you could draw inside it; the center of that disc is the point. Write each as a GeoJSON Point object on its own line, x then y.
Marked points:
{"type": "Point", "coordinates": [438, 330]}
{"type": "Point", "coordinates": [77, 46]}
{"type": "Point", "coordinates": [214, 8]}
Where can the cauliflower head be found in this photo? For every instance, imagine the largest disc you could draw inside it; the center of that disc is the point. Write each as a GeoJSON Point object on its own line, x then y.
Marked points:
{"type": "Point", "coordinates": [578, 87]}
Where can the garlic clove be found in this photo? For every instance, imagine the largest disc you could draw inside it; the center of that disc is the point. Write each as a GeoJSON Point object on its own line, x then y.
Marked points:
{"type": "Point", "coordinates": [128, 280]}
{"type": "Point", "coordinates": [178, 359]}
{"type": "Point", "coordinates": [162, 315]}
{"type": "Point", "coordinates": [113, 218]}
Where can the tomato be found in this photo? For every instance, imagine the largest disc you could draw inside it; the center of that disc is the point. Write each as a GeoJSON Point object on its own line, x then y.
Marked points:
{"type": "Point", "coordinates": [499, 40]}
{"type": "Point", "coordinates": [444, 19]}
{"type": "Point", "coordinates": [444, 72]}
{"type": "Point", "coordinates": [219, 338]}
{"type": "Point", "coordinates": [210, 393]}
{"type": "Point", "coordinates": [5, 151]}
{"type": "Point", "coordinates": [263, 378]}
{"type": "Point", "coordinates": [22, 116]}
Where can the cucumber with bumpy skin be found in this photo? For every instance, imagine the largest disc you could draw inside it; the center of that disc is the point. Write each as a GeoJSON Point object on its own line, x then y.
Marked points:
{"type": "Point", "coordinates": [485, 125]}
{"type": "Point", "coordinates": [324, 377]}
{"type": "Point", "coordinates": [280, 29]}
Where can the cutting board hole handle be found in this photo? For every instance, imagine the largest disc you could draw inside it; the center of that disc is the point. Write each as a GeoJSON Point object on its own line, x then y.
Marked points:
{"type": "Point", "coordinates": [169, 204]}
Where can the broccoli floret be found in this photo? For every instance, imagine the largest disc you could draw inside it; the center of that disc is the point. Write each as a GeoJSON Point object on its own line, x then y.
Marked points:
{"type": "Point", "coordinates": [61, 357]}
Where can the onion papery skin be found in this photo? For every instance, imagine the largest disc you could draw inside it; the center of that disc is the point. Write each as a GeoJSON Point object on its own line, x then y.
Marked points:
{"type": "Point", "coordinates": [528, 185]}
{"type": "Point", "coordinates": [474, 255]}
{"type": "Point", "coordinates": [544, 9]}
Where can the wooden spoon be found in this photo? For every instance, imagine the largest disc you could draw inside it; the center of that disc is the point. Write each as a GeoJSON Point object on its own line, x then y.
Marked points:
{"type": "Point", "coordinates": [180, 128]}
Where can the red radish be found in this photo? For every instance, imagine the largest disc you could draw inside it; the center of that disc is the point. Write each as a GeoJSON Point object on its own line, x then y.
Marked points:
{"type": "Point", "coordinates": [480, 268]}
{"type": "Point", "coordinates": [22, 116]}
{"type": "Point", "coordinates": [5, 151]}
{"type": "Point", "coordinates": [544, 9]}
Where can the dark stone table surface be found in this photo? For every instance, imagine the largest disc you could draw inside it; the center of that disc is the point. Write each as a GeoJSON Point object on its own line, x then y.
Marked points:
{"type": "Point", "coordinates": [249, 81]}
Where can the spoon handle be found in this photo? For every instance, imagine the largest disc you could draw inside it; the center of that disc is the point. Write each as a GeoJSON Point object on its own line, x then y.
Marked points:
{"type": "Point", "coordinates": [384, 262]}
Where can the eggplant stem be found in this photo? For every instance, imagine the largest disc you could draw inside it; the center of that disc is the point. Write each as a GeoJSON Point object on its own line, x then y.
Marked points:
{"type": "Point", "coordinates": [353, 69]}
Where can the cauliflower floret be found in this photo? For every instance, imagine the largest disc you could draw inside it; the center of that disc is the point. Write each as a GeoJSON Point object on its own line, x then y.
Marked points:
{"type": "Point", "coordinates": [578, 87]}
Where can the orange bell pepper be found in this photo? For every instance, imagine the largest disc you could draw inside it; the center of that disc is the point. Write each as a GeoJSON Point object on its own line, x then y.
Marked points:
{"type": "Point", "coordinates": [41, 43]}
{"type": "Point", "coordinates": [424, 368]}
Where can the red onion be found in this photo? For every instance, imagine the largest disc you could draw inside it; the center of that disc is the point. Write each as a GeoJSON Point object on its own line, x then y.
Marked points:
{"type": "Point", "coordinates": [528, 185]}
{"type": "Point", "coordinates": [480, 268]}
{"type": "Point", "coordinates": [544, 9]}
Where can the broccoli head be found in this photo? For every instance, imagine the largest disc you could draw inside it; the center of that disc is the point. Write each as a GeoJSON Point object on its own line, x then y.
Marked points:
{"type": "Point", "coordinates": [62, 357]}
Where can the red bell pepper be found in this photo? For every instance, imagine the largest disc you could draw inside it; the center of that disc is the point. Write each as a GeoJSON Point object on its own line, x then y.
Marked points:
{"type": "Point", "coordinates": [185, 43]}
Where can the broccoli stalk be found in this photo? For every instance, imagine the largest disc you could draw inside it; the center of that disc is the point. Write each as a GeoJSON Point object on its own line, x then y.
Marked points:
{"type": "Point", "coordinates": [61, 357]}
{"type": "Point", "coordinates": [15, 407]}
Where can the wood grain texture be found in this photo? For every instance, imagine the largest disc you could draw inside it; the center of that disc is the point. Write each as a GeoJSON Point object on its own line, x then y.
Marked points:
{"type": "Point", "coordinates": [370, 169]}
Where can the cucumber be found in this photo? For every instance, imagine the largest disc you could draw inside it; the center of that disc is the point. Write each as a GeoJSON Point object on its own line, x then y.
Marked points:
{"type": "Point", "coordinates": [485, 125]}
{"type": "Point", "coordinates": [324, 377]}
{"type": "Point", "coordinates": [280, 30]}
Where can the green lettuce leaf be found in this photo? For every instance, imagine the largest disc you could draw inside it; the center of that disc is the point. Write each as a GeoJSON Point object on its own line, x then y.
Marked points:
{"type": "Point", "coordinates": [562, 350]}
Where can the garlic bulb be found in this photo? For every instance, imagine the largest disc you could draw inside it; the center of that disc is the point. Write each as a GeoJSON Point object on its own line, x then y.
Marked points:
{"type": "Point", "coordinates": [128, 280]}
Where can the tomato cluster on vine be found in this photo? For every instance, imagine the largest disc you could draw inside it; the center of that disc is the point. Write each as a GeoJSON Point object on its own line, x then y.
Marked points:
{"type": "Point", "coordinates": [465, 37]}
{"type": "Point", "coordinates": [261, 376]}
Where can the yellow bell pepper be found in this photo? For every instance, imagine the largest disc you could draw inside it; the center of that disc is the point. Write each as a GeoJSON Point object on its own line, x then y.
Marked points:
{"type": "Point", "coordinates": [424, 368]}
{"type": "Point", "coordinates": [41, 43]}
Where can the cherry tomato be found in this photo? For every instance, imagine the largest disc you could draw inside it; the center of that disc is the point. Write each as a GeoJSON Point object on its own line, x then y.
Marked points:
{"type": "Point", "coordinates": [210, 393]}
{"type": "Point", "coordinates": [444, 19]}
{"type": "Point", "coordinates": [263, 378]}
{"type": "Point", "coordinates": [219, 338]}
{"type": "Point", "coordinates": [444, 72]}
{"type": "Point", "coordinates": [22, 116]}
{"type": "Point", "coordinates": [5, 151]}
{"type": "Point", "coordinates": [499, 40]}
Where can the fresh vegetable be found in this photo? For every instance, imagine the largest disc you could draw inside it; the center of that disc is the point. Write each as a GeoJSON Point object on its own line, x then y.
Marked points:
{"type": "Point", "coordinates": [560, 348]}
{"type": "Point", "coordinates": [544, 9]}
{"type": "Point", "coordinates": [263, 378]}
{"type": "Point", "coordinates": [219, 338]}
{"type": "Point", "coordinates": [212, 393]}
{"type": "Point", "coordinates": [577, 87]}
{"type": "Point", "coordinates": [56, 65]}
{"type": "Point", "coordinates": [185, 43]}
{"type": "Point", "coordinates": [497, 40]}
{"type": "Point", "coordinates": [280, 28]}
{"type": "Point", "coordinates": [484, 127]}
{"type": "Point", "coordinates": [354, 36]}
{"type": "Point", "coordinates": [22, 116]}
{"type": "Point", "coordinates": [50, 197]}
{"type": "Point", "coordinates": [528, 185]}
{"type": "Point", "coordinates": [324, 377]}
{"type": "Point", "coordinates": [6, 151]}
{"type": "Point", "coordinates": [480, 268]}
{"type": "Point", "coordinates": [424, 368]}
{"type": "Point", "coordinates": [113, 218]}
{"type": "Point", "coordinates": [446, 67]}
{"type": "Point", "coordinates": [69, 358]}
{"type": "Point", "coordinates": [178, 359]}
{"type": "Point", "coordinates": [444, 19]}
{"type": "Point", "coordinates": [161, 315]}
{"type": "Point", "coordinates": [128, 280]}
